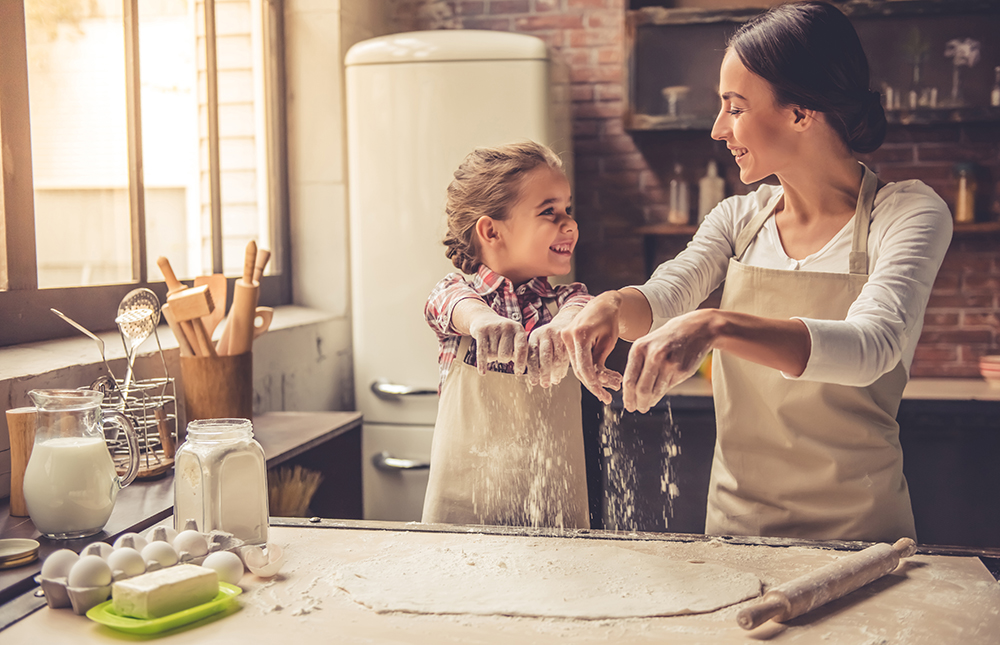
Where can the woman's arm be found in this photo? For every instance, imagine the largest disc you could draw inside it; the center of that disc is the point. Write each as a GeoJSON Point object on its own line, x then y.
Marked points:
{"type": "Point", "coordinates": [672, 354]}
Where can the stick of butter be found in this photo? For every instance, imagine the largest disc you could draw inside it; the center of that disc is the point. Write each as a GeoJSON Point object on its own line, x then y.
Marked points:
{"type": "Point", "coordinates": [167, 591]}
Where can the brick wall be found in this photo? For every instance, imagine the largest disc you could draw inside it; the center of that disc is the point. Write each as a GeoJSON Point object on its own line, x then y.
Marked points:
{"type": "Point", "coordinates": [620, 177]}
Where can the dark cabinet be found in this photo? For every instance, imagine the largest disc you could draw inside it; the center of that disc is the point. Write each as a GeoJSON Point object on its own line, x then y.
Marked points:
{"type": "Point", "coordinates": [950, 449]}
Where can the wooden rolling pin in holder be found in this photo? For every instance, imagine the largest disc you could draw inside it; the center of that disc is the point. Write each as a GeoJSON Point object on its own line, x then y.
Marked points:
{"type": "Point", "coordinates": [805, 593]}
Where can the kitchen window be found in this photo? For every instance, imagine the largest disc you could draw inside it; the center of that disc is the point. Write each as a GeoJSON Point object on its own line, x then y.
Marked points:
{"type": "Point", "coordinates": [126, 135]}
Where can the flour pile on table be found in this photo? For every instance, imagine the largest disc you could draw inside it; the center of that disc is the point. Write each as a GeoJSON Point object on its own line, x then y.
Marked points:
{"type": "Point", "coordinates": [574, 579]}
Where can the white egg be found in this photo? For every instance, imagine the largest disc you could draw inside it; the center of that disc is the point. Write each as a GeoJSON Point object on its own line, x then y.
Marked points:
{"type": "Point", "coordinates": [102, 549]}
{"type": "Point", "coordinates": [191, 542]}
{"type": "Point", "coordinates": [90, 571]}
{"type": "Point", "coordinates": [128, 561]}
{"type": "Point", "coordinates": [160, 552]}
{"type": "Point", "coordinates": [132, 540]}
{"type": "Point", "coordinates": [58, 564]}
{"type": "Point", "coordinates": [227, 564]}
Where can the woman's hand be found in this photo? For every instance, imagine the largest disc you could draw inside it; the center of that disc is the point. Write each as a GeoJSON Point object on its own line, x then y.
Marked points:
{"type": "Point", "coordinates": [665, 357]}
{"type": "Point", "coordinates": [589, 338]}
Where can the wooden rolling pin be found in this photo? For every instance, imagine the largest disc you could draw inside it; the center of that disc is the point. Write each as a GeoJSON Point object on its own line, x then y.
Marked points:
{"type": "Point", "coordinates": [805, 593]}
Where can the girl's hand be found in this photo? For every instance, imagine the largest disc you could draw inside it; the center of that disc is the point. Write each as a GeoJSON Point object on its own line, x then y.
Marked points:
{"type": "Point", "coordinates": [548, 359]}
{"type": "Point", "coordinates": [665, 357]}
{"type": "Point", "coordinates": [498, 339]}
{"type": "Point", "coordinates": [589, 338]}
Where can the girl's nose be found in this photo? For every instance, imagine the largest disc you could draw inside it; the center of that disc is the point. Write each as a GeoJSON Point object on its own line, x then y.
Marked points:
{"type": "Point", "coordinates": [568, 224]}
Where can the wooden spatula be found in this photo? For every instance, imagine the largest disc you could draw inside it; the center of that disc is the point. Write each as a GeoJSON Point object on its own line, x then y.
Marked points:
{"type": "Point", "coordinates": [217, 287]}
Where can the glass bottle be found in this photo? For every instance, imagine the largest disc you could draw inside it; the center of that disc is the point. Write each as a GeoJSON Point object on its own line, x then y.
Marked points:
{"type": "Point", "coordinates": [965, 196]}
{"type": "Point", "coordinates": [220, 480]}
{"type": "Point", "coordinates": [711, 190]}
{"type": "Point", "coordinates": [995, 94]}
{"type": "Point", "coordinates": [680, 212]}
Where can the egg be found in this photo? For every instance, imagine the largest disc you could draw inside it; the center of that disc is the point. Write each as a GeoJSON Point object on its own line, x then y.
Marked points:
{"type": "Point", "coordinates": [160, 552]}
{"type": "Point", "coordinates": [58, 564]}
{"type": "Point", "coordinates": [227, 564]}
{"type": "Point", "coordinates": [90, 571]}
{"type": "Point", "coordinates": [132, 540]}
{"type": "Point", "coordinates": [129, 561]}
{"type": "Point", "coordinates": [191, 542]}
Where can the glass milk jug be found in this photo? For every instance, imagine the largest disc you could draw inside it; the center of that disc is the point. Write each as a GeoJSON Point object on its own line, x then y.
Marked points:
{"type": "Point", "coordinates": [70, 482]}
{"type": "Point", "coordinates": [220, 480]}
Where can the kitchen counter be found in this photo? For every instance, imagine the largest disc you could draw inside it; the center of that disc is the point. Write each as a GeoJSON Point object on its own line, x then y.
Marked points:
{"type": "Point", "coordinates": [928, 599]}
{"type": "Point", "coordinates": [284, 437]}
{"type": "Point", "coordinates": [924, 389]}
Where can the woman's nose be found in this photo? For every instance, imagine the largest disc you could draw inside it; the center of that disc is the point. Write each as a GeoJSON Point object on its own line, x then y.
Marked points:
{"type": "Point", "coordinates": [720, 129]}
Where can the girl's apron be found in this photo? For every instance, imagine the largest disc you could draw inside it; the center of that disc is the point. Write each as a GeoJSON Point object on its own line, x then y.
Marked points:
{"type": "Point", "coordinates": [505, 452]}
{"type": "Point", "coordinates": [800, 458]}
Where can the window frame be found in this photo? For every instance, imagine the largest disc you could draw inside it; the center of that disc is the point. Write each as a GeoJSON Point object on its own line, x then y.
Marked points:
{"type": "Point", "coordinates": [24, 307]}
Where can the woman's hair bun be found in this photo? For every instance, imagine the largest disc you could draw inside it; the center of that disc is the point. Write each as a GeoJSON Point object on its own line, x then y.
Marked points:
{"type": "Point", "coordinates": [868, 131]}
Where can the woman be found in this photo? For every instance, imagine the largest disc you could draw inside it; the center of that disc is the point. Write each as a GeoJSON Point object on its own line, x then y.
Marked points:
{"type": "Point", "coordinates": [827, 276]}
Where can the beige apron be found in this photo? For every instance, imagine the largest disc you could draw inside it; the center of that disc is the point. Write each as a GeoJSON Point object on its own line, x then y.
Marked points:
{"type": "Point", "coordinates": [505, 452]}
{"type": "Point", "coordinates": [800, 458]}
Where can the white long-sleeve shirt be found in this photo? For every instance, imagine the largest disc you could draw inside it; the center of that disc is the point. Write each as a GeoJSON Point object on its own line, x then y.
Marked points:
{"type": "Point", "coordinates": [910, 232]}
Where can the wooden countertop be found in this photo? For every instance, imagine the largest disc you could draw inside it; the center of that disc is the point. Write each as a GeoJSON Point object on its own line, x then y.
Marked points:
{"type": "Point", "coordinates": [282, 435]}
{"type": "Point", "coordinates": [928, 599]}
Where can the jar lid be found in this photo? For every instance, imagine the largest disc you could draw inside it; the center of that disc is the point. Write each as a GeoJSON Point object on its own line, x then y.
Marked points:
{"type": "Point", "coordinates": [15, 552]}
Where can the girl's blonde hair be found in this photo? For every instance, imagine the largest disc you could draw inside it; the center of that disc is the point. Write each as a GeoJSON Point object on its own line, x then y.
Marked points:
{"type": "Point", "coordinates": [487, 184]}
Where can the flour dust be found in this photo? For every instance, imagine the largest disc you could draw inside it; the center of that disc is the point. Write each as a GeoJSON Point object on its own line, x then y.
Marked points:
{"type": "Point", "coordinates": [629, 458]}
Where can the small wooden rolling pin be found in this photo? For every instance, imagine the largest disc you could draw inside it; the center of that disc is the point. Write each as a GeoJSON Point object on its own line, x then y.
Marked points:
{"type": "Point", "coordinates": [805, 593]}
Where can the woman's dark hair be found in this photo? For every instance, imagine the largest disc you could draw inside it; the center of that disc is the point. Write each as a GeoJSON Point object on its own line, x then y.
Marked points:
{"type": "Point", "coordinates": [811, 55]}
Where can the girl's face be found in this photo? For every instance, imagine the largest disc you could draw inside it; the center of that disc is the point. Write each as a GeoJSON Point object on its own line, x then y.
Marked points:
{"type": "Point", "coordinates": [756, 130]}
{"type": "Point", "coordinates": [538, 237]}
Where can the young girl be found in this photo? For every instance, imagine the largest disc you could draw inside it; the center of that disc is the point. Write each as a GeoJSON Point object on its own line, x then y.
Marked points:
{"type": "Point", "coordinates": [506, 451]}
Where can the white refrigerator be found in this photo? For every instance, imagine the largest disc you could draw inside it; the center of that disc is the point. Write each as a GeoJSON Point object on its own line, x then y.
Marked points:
{"type": "Point", "coordinates": [417, 103]}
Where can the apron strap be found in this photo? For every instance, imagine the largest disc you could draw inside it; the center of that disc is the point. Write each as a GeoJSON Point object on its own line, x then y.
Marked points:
{"type": "Point", "coordinates": [753, 227]}
{"type": "Point", "coordinates": [862, 221]}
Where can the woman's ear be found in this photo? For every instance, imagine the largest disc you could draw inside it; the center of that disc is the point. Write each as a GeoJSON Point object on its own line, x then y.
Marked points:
{"type": "Point", "coordinates": [486, 231]}
{"type": "Point", "coordinates": [802, 118]}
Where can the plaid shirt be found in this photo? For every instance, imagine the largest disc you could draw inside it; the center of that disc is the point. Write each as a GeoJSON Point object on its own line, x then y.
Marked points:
{"type": "Point", "coordinates": [525, 304]}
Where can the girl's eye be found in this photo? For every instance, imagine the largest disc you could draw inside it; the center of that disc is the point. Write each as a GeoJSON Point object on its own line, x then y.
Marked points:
{"type": "Point", "coordinates": [734, 111]}
{"type": "Point", "coordinates": [569, 210]}
{"type": "Point", "coordinates": [548, 212]}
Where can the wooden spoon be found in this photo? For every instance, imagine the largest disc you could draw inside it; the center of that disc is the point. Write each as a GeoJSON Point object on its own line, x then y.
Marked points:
{"type": "Point", "coordinates": [217, 287]}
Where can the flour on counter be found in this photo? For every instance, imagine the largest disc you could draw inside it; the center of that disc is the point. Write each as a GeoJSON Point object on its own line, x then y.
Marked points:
{"type": "Point", "coordinates": [593, 581]}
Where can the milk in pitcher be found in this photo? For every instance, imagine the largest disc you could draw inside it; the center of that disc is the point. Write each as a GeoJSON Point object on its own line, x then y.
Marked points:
{"type": "Point", "coordinates": [70, 485]}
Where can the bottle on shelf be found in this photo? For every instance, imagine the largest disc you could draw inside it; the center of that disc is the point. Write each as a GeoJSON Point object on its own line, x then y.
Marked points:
{"type": "Point", "coordinates": [995, 94]}
{"type": "Point", "coordinates": [965, 196]}
{"type": "Point", "coordinates": [711, 190]}
{"type": "Point", "coordinates": [680, 211]}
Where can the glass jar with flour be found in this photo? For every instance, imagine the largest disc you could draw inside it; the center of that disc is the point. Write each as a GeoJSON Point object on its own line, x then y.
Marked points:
{"type": "Point", "coordinates": [220, 480]}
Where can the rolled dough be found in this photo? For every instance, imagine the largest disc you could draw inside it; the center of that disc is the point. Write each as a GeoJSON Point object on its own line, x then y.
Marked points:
{"type": "Point", "coordinates": [559, 579]}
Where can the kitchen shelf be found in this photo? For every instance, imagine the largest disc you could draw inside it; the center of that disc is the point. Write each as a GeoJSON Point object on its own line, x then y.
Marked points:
{"type": "Point", "coordinates": [977, 228]}
{"type": "Point", "coordinates": [674, 55]}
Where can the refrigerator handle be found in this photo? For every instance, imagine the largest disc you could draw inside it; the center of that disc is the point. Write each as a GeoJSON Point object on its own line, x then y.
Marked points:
{"type": "Point", "coordinates": [383, 389]}
{"type": "Point", "coordinates": [386, 462]}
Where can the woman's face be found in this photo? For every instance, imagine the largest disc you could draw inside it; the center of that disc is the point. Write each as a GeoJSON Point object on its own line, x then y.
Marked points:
{"type": "Point", "coordinates": [756, 130]}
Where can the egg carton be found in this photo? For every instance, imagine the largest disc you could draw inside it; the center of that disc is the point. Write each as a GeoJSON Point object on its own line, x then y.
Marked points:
{"type": "Point", "coordinates": [103, 564]}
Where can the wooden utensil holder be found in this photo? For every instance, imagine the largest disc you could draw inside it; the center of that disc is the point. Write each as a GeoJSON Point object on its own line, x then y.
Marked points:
{"type": "Point", "coordinates": [218, 387]}
{"type": "Point", "coordinates": [21, 427]}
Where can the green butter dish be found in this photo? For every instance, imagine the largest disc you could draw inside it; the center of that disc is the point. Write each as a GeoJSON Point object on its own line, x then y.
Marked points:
{"type": "Point", "coordinates": [105, 614]}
